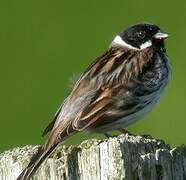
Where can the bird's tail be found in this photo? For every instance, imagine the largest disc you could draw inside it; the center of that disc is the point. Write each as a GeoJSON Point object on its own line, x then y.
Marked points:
{"type": "Point", "coordinates": [35, 162]}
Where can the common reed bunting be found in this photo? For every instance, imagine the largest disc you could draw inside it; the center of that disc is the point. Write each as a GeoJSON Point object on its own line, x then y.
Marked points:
{"type": "Point", "coordinates": [117, 89]}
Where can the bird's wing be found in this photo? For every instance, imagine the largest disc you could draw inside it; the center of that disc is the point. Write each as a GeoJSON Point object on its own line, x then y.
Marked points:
{"type": "Point", "coordinates": [93, 69]}
{"type": "Point", "coordinates": [105, 78]}
{"type": "Point", "coordinates": [115, 68]}
{"type": "Point", "coordinates": [99, 105]}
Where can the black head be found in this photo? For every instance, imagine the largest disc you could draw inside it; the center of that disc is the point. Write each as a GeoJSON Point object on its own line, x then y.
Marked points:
{"type": "Point", "coordinates": [139, 34]}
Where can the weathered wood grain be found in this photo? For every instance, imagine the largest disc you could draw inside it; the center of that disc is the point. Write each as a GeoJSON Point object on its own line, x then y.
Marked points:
{"type": "Point", "coordinates": [125, 157]}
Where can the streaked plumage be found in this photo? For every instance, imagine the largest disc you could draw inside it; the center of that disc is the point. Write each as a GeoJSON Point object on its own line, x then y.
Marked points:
{"type": "Point", "coordinates": [116, 90]}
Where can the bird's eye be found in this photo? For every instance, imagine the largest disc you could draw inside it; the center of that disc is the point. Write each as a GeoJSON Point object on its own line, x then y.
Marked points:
{"type": "Point", "coordinates": [141, 34]}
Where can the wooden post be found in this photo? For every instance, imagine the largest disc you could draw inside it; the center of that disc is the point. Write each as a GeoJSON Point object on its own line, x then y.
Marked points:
{"type": "Point", "coordinates": [125, 157]}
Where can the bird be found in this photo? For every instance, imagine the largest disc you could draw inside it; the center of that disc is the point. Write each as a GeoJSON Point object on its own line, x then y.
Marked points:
{"type": "Point", "coordinates": [117, 89]}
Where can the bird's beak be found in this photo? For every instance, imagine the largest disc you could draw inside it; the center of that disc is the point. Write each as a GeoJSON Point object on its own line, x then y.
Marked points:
{"type": "Point", "coordinates": [160, 35]}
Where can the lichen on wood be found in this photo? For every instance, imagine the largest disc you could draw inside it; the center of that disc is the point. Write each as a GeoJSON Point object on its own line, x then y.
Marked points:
{"type": "Point", "coordinates": [126, 157]}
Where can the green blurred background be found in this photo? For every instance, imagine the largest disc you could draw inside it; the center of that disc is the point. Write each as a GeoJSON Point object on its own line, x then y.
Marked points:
{"type": "Point", "coordinates": [45, 43]}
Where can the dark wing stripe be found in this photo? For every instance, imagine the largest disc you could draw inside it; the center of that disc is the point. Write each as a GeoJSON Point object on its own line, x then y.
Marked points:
{"type": "Point", "coordinates": [95, 110]}
{"type": "Point", "coordinates": [119, 60]}
{"type": "Point", "coordinates": [86, 121]}
{"type": "Point", "coordinates": [105, 62]}
{"type": "Point", "coordinates": [99, 63]}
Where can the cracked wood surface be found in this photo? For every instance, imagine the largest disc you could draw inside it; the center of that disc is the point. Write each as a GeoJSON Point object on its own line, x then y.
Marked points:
{"type": "Point", "coordinates": [125, 157]}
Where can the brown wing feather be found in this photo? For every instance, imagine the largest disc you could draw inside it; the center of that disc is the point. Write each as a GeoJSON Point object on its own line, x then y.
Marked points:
{"type": "Point", "coordinates": [94, 111]}
{"type": "Point", "coordinates": [132, 63]}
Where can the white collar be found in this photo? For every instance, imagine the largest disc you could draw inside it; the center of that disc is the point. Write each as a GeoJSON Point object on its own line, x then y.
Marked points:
{"type": "Point", "coordinates": [119, 41]}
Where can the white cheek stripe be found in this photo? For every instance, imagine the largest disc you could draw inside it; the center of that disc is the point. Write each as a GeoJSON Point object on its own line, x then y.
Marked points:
{"type": "Point", "coordinates": [146, 44]}
{"type": "Point", "coordinates": [119, 41]}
